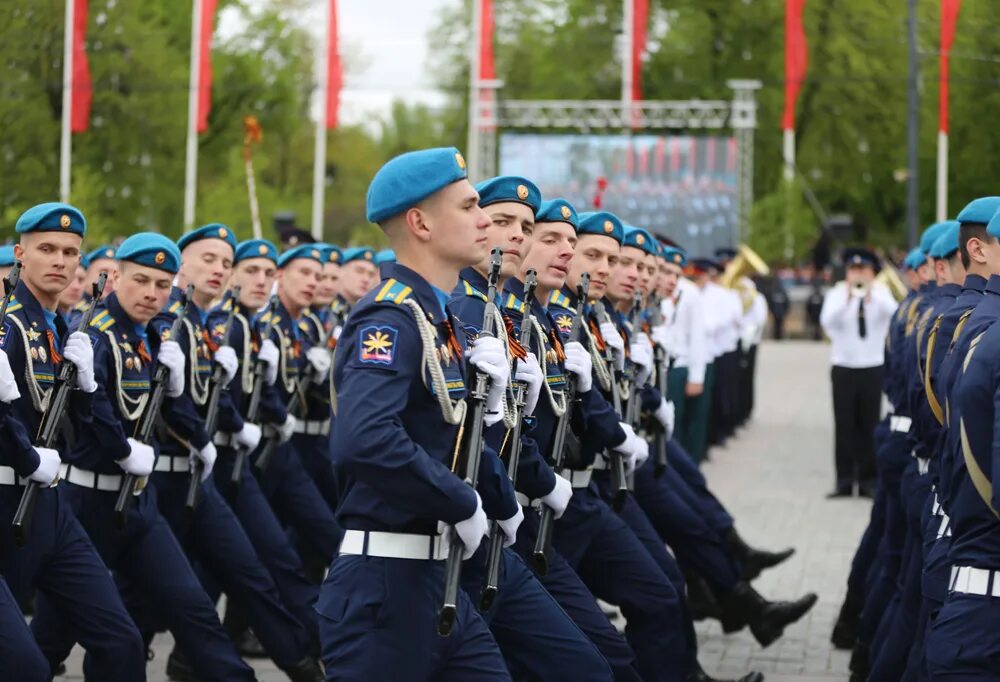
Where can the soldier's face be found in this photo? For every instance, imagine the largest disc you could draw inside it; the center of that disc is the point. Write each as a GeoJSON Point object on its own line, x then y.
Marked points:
{"type": "Point", "coordinates": [597, 255]}
{"type": "Point", "coordinates": [74, 292]}
{"type": "Point", "coordinates": [207, 264]}
{"type": "Point", "coordinates": [647, 273]}
{"type": "Point", "coordinates": [452, 225]}
{"type": "Point", "coordinates": [103, 265]}
{"type": "Point", "coordinates": [625, 275]}
{"type": "Point", "coordinates": [550, 252]}
{"type": "Point", "coordinates": [142, 290]}
{"type": "Point", "coordinates": [329, 281]}
{"type": "Point", "coordinates": [511, 224]}
{"type": "Point", "coordinates": [298, 280]}
{"type": "Point", "coordinates": [49, 260]}
{"type": "Point", "coordinates": [255, 277]}
{"type": "Point", "coordinates": [671, 275]}
{"type": "Point", "coordinates": [357, 278]}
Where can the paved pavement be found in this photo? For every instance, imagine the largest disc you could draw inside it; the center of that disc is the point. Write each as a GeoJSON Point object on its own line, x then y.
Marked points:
{"type": "Point", "coordinates": [773, 476]}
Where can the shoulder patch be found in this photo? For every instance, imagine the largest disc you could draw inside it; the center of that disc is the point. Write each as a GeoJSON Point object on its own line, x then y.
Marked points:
{"type": "Point", "coordinates": [5, 333]}
{"type": "Point", "coordinates": [559, 299]}
{"type": "Point", "coordinates": [394, 291]}
{"type": "Point", "coordinates": [564, 323]}
{"type": "Point", "coordinates": [377, 344]}
{"type": "Point", "coordinates": [512, 302]}
{"type": "Point", "coordinates": [473, 291]}
{"type": "Point", "coordinates": [175, 307]}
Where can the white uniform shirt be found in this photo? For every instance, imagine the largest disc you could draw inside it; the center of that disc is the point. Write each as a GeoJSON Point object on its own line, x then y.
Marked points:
{"type": "Point", "coordinates": [689, 344]}
{"type": "Point", "coordinates": [753, 322]}
{"type": "Point", "coordinates": [723, 316]}
{"type": "Point", "coordinates": [839, 318]}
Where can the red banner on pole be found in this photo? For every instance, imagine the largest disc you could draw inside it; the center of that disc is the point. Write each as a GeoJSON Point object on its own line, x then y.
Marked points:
{"type": "Point", "coordinates": [205, 62]}
{"type": "Point", "coordinates": [796, 59]}
{"type": "Point", "coordinates": [949, 17]}
{"type": "Point", "coordinates": [82, 89]}
{"type": "Point", "coordinates": [334, 69]}
{"type": "Point", "coordinates": [640, 24]}
{"type": "Point", "coordinates": [487, 64]}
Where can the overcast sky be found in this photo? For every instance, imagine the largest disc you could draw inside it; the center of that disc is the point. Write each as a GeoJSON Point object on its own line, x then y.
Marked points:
{"type": "Point", "coordinates": [392, 38]}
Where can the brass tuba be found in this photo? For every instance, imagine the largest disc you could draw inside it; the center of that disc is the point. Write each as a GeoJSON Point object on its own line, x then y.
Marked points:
{"type": "Point", "coordinates": [746, 263]}
{"type": "Point", "coordinates": [890, 277]}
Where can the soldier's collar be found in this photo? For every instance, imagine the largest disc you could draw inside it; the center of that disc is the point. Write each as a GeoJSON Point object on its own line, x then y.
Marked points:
{"type": "Point", "coordinates": [421, 289]}
{"type": "Point", "coordinates": [993, 285]}
{"type": "Point", "coordinates": [974, 283]}
{"type": "Point", "coordinates": [950, 289]}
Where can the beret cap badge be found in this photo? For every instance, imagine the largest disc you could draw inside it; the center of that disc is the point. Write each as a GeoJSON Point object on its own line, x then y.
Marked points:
{"type": "Point", "coordinates": [222, 232]}
{"type": "Point", "coordinates": [522, 192]}
{"type": "Point", "coordinates": [262, 250]}
{"type": "Point", "coordinates": [160, 257]}
{"type": "Point", "coordinates": [64, 221]}
{"type": "Point", "coordinates": [368, 255]}
{"type": "Point", "coordinates": [640, 240]}
{"type": "Point", "coordinates": [315, 253]}
{"type": "Point", "coordinates": [460, 160]}
{"type": "Point", "coordinates": [609, 227]}
{"type": "Point", "coordinates": [566, 213]}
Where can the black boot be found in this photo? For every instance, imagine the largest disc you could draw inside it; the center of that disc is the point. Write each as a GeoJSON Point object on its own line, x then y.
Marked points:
{"type": "Point", "coordinates": [860, 662]}
{"type": "Point", "coordinates": [702, 604]}
{"type": "Point", "coordinates": [845, 630]}
{"type": "Point", "coordinates": [753, 560]}
{"type": "Point", "coordinates": [306, 670]}
{"type": "Point", "coordinates": [700, 675]}
{"type": "Point", "coordinates": [767, 620]}
{"type": "Point", "coordinates": [178, 668]}
{"type": "Point", "coordinates": [237, 625]}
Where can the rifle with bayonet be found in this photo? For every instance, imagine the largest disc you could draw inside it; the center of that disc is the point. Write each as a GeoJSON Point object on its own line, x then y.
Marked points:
{"type": "Point", "coordinates": [661, 367]}
{"type": "Point", "coordinates": [253, 403]}
{"type": "Point", "coordinates": [619, 482]}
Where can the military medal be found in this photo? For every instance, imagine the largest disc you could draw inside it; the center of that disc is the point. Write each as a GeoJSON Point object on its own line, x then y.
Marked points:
{"type": "Point", "coordinates": [42, 355]}
{"type": "Point", "coordinates": [128, 362]}
{"type": "Point", "coordinates": [34, 353]}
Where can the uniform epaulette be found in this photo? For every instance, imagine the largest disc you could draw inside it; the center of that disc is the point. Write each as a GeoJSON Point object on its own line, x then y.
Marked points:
{"type": "Point", "coordinates": [81, 305]}
{"type": "Point", "coordinates": [512, 303]}
{"type": "Point", "coordinates": [473, 291]}
{"type": "Point", "coordinates": [266, 317]}
{"type": "Point", "coordinates": [102, 321]}
{"type": "Point", "coordinates": [560, 299]}
{"type": "Point", "coordinates": [13, 305]}
{"type": "Point", "coordinates": [175, 307]}
{"type": "Point", "coordinates": [393, 290]}
{"type": "Point", "coordinates": [228, 304]}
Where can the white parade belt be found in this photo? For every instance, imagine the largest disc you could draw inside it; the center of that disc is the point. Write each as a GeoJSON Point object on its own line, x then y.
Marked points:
{"type": "Point", "coordinates": [900, 423]}
{"type": "Point", "coordinates": [394, 545]}
{"type": "Point", "coordinates": [178, 464]}
{"type": "Point", "coordinates": [88, 479]}
{"type": "Point", "coordinates": [319, 427]}
{"type": "Point", "coordinates": [978, 581]}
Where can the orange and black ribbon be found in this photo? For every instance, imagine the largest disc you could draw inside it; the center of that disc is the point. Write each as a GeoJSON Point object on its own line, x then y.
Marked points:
{"type": "Point", "coordinates": [516, 349]}
{"type": "Point", "coordinates": [557, 345]}
{"type": "Point", "coordinates": [143, 352]}
{"type": "Point", "coordinates": [53, 347]}
{"type": "Point", "coordinates": [598, 338]}
{"type": "Point", "coordinates": [453, 343]}
{"type": "Point", "coordinates": [209, 341]}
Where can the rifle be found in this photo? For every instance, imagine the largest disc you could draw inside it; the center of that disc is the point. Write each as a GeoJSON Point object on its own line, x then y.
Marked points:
{"type": "Point", "coordinates": [253, 406]}
{"type": "Point", "coordinates": [661, 365]}
{"type": "Point", "coordinates": [472, 446]}
{"type": "Point", "coordinates": [9, 282]}
{"type": "Point", "coordinates": [144, 427]}
{"type": "Point", "coordinates": [291, 407]}
{"type": "Point", "coordinates": [619, 483]}
{"type": "Point", "coordinates": [48, 431]}
{"type": "Point", "coordinates": [492, 585]}
{"type": "Point", "coordinates": [632, 412]}
{"type": "Point", "coordinates": [214, 393]}
{"type": "Point", "coordinates": [539, 557]}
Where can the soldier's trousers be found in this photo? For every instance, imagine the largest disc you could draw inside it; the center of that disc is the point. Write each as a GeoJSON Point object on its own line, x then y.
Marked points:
{"type": "Point", "coordinates": [535, 635]}
{"type": "Point", "coordinates": [681, 462]}
{"type": "Point", "coordinates": [964, 642]}
{"type": "Point", "coordinates": [18, 649]}
{"type": "Point", "coordinates": [214, 539]}
{"type": "Point", "coordinates": [314, 453]}
{"type": "Point", "coordinates": [677, 379]}
{"type": "Point", "coordinates": [60, 562]}
{"type": "Point", "coordinates": [613, 562]}
{"type": "Point", "coordinates": [270, 541]}
{"type": "Point", "coordinates": [147, 556]}
{"type": "Point", "coordinates": [698, 408]}
{"type": "Point", "coordinates": [377, 621]}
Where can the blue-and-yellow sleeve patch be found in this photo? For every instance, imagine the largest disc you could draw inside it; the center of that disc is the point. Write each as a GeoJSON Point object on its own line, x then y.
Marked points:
{"type": "Point", "coordinates": [377, 344]}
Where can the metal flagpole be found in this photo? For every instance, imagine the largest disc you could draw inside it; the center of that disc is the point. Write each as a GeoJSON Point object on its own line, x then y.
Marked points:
{"type": "Point", "coordinates": [191, 160]}
{"type": "Point", "coordinates": [319, 153]}
{"type": "Point", "coordinates": [472, 146]}
{"type": "Point", "coordinates": [942, 176]}
{"type": "Point", "coordinates": [912, 121]}
{"type": "Point", "coordinates": [66, 134]}
{"type": "Point", "coordinates": [628, 24]}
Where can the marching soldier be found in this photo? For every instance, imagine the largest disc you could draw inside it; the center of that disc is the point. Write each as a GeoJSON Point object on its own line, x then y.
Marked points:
{"type": "Point", "coordinates": [58, 558]}
{"type": "Point", "coordinates": [358, 274]}
{"type": "Point", "coordinates": [101, 261]}
{"type": "Point", "coordinates": [7, 260]}
{"type": "Point", "coordinates": [328, 308]}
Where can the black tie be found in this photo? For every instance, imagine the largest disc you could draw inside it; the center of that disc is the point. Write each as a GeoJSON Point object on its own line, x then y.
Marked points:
{"type": "Point", "coordinates": [862, 327]}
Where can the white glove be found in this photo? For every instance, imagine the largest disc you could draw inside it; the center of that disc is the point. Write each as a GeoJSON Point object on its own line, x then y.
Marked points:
{"type": "Point", "coordinates": [79, 351]}
{"type": "Point", "coordinates": [172, 357]}
{"type": "Point", "coordinates": [226, 357]}
{"type": "Point", "coordinates": [661, 336]}
{"type": "Point", "coordinates": [287, 429]}
{"type": "Point", "coordinates": [641, 351]}
{"type": "Point", "coordinates": [268, 354]}
{"type": "Point", "coordinates": [489, 356]}
{"type": "Point", "coordinates": [8, 385]}
{"type": "Point", "coordinates": [249, 436]}
{"type": "Point", "coordinates": [558, 498]}
{"type": "Point", "coordinates": [665, 415]}
{"type": "Point", "coordinates": [207, 457]}
{"type": "Point", "coordinates": [634, 448]}
{"type": "Point", "coordinates": [615, 342]}
{"type": "Point", "coordinates": [319, 358]}
{"type": "Point", "coordinates": [472, 529]}
{"type": "Point", "coordinates": [509, 527]}
{"type": "Point", "coordinates": [140, 460]}
{"type": "Point", "coordinates": [578, 362]}
{"type": "Point", "coordinates": [529, 372]}
{"type": "Point", "coordinates": [336, 332]}
{"type": "Point", "coordinates": [48, 467]}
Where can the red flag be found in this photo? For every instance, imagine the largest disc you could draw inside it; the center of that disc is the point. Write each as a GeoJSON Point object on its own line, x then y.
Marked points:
{"type": "Point", "coordinates": [82, 92]}
{"type": "Point", "coordinates": [949, 17]}
{"type": "Point", "coordinates": [334, 69]}
{"type": "Point", "coordinates": [796, 59]}
{"type": "Point", "coordinates": [205, 62]}
{"type": "Point", "coordinates": [640, 23]}
{"type": "Point", "coordinates": [487, 66]}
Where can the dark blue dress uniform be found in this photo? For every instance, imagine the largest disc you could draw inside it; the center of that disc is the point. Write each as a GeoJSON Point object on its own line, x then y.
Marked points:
{"type": "Point", "coordinates": [144, 552]}
{"type": "Point", "coordinates": [534, 634]}
{"type": "Point", "coordinates": [394, 446]}
{"type": "Point", "coordinates": [612, 560]}
{"type": "Point", "coordinates": [212, 534]}
{"type": "Point", "coordinates": [58, 559]}
{"type": "Point", "coordinates": [246, 499]}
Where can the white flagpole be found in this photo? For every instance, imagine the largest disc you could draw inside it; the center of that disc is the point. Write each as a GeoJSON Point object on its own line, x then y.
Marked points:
{"type": "Point", "coordinates": [66, 134]}
{"type": "Point", "coordinates": [942, 176]}
{"type": "Point", "coordinates": [319, 154]}
{"type": "Point", "coordinates": [628, 38]}
{"type": "Point", "coordinates": [788, 153]}
{"type": "Point", "coordinates": [475, 93]}
{"type": "Point", "coordinates": [191, 159]}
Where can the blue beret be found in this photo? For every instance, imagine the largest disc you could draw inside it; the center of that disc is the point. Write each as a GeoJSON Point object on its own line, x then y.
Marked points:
{"type": "Point", "coordinates": [332, 254]}
{"type": "Point", "coordinates": [7, 256]}
{"type": "Point", "coordinates": [993, 227]}
{"type": "Point", "coordinates": [509, 188]}
{"type": "Point", "coordinates": [307, 251]}
{"type": "Point", "coordinates": [210, 231]}
{"type": "Point", "coordinates": [385, 256]}
{"type": "Point", "coordinates": [725, 253]}
{"type": "Point", "coordinates": [557, 211]}
{"type": "Point", "coordinates": [602, 223]}
{"type": "Point", "coordinates": [151, 249]}
{"type": "Point", "coordinates": [640, 239]}
{"type": "Point", "coordinates": [947, 243]}
{"type": "Point", "coordinates": [930, 236]}
{"type": "Point", "coordinates": [106, 252]}
{"type": "Point", "coordinates": [674, 255]}
{"type": "Point", "coordinates": [859, 256]}
{"type": "Point", "coordinates": [408, 179]}
{"type": "Point", "coordinates": [914, 259]}
{"type": "Point", "coordinates": [979, 210]}
{"type": "Point", "coordinates": [53, 216]}
{"type": "Point", "coordinates": [358, 253]}
{"type": "Point", "coordinates": [255, 248]}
